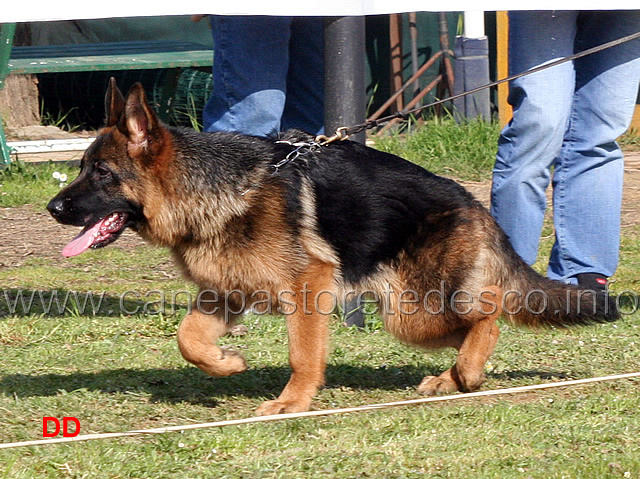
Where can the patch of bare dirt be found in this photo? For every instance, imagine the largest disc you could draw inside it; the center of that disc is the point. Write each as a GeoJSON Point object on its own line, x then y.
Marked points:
{"type": "Point", "coordinates": [630, 215]}
{"type": "Point", "coordinates": [26, 233]}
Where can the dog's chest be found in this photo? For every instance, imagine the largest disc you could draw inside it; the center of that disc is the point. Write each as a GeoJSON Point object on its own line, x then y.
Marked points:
{"type": "Point", "coordinates": [245, 269]}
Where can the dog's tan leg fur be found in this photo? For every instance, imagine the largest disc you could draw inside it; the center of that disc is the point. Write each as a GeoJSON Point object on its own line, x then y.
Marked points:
{"type": "Point", "coordinates": [308, 329]}
{"type": "Point", "coordinates": [475, 346]}
{"type": "Point", "coordinates": [198, 334]}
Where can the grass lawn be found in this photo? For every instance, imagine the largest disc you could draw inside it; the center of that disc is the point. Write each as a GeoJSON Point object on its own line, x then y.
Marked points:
{"type": "Point", "coordinates": [114, 365]}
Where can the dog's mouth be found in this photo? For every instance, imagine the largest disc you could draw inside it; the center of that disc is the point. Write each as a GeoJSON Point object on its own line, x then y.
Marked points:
{"type": "Point", "coordinates": [102, 233]}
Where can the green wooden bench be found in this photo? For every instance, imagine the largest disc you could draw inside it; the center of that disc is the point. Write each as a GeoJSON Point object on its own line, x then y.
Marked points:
{"type": "Point", "coordinates": [113, 56]}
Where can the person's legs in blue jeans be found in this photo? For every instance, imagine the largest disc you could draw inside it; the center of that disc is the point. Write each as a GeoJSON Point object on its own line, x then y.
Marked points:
{"type": "Point", "coordinates": [267, 75]}
{"type": "Point", "coordinates": [588, 174]}
{"type": "Point", "coordinates": [588, 163]}
{"type": "Point", "coordinates": [304, 108]}
{"type": "Point", "coordinates": [529, 144]}
{"type": "Point", "coordinates": [250, 64]}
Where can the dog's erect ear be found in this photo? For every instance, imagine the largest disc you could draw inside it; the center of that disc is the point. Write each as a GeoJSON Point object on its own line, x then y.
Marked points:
{"type": "Point", "coordinates": [140, 121]}
{"type": "Point", "coordinates": [113, 103]}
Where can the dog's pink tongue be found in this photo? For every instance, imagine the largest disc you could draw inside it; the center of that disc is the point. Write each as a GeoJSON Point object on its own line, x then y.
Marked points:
{"type": "Point", "coordinates": [82, 242]}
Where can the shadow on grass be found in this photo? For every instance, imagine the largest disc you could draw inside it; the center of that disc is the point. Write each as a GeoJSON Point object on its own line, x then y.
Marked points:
{"type": "Point", "coordinates": [191, 385]}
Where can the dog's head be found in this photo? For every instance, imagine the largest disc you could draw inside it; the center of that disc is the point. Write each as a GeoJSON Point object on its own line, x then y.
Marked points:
{"type": "Point", "coordinates": [109, 193]}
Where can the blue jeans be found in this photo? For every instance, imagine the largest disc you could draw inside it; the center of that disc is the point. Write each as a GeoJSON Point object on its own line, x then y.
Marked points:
{"type": "Point", "coordinates": [267, 75]}
{"type": "Point", "coordinates": [567, 117]}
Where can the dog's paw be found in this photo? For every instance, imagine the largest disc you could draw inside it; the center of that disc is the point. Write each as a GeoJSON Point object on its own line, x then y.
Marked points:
{"type": "Point", "coordinates": [229, 363]}
{"type": "Point", "coordinates": [437, 385]}
{"type": "Point", "coordinates": [269, 408]}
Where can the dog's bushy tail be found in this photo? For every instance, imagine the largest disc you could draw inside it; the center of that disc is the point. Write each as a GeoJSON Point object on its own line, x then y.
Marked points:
{"type": "Point", "coordinates": [532, 300]}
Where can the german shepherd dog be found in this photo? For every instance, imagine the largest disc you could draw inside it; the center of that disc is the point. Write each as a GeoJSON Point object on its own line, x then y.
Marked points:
{"type": "Point", "coordinates": [335, 219]}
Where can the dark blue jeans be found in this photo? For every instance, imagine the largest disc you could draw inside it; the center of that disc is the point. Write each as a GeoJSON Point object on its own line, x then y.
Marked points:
{"type": "Point", "coordinates": [268, 75]}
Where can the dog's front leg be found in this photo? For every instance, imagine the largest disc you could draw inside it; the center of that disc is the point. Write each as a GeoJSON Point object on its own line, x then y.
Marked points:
{"type": "Point", "coordinates": [199, 332]}
{"type": "Point", "coordinates": [308, 328]}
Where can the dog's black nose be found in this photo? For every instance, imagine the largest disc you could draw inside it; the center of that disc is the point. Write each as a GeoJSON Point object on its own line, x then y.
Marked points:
{"type": "Point", "coordinates": [57, 206]}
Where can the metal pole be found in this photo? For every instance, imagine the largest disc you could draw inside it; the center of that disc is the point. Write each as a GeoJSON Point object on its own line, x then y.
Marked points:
{"type": "Point", "coordinates": [443, 29]}
{"type": "Point", "coordinates": [344, 95]}
{"type": "Point", "coordinates": [395, 45]}
{"type": "Point", "coordinates": [344, 63]}
{"type": "Point", "coordinates": [413, 31]}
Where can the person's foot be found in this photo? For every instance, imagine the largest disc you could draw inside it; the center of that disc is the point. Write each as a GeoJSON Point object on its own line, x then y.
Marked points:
{"type": "Point", "coordinates": [593, 281]}
{"type": "Point", "coordinates": [599, 284]}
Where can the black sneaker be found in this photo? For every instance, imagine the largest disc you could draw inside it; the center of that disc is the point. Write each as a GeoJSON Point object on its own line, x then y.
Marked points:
{"type": "Point", "coordinates": [592, 281]}
{"type": "Point", "coordinates": [599, 284]}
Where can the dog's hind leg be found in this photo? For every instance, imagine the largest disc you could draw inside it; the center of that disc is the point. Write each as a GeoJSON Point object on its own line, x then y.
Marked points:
{"type": "Point", "coordinates": [475, 346]}
{"type": "Point", "coordinates": [308, 328]}
{"type": "Point", "coordinates": [198, 333]}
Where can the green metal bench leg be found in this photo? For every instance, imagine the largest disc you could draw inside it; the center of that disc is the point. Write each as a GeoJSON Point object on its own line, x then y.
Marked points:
{"type": "Point", "coordinates": [7, 31]}
{"type": "Point", "coordinates": [6, 152]}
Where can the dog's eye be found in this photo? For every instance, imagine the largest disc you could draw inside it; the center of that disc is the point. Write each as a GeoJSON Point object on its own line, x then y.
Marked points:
{"type": "Point", "coordinates": [103, 172]}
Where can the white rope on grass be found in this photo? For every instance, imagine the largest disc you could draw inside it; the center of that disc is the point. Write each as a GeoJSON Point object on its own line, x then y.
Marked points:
{"type": "Point", "coordinates": [324, 412]}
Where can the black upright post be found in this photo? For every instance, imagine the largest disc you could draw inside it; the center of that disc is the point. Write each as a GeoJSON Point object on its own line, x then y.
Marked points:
{"type": "Point", "coordinates": [344, 62]}
{"type": "Point", "coordinates": [344, 96]}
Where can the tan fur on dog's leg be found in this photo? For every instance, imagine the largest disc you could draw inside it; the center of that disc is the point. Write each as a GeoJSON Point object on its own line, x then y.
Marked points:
{"type": "Point", "coordinates": [477, 346]}
{"type": "Point", "coordinates": [308, 330]}
{"type": "Point", "coordinates": [198, 334]}
{"type": "Point", "coordinates": [476, 350]}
